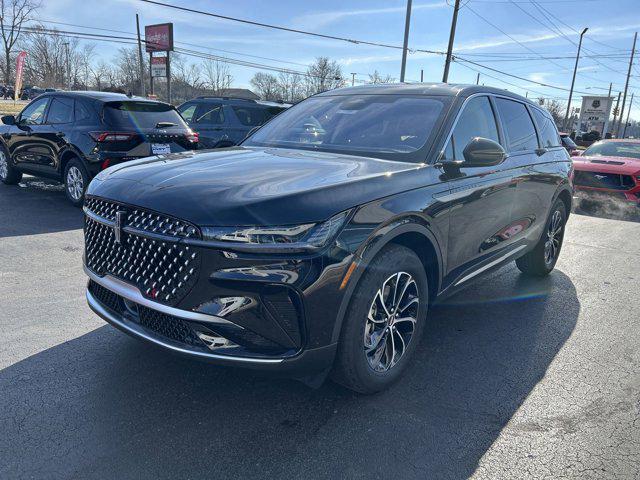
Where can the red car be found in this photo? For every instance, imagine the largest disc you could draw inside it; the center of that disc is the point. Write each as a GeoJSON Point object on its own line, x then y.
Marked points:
{"type": "Point", "coordinates": [609, 167]}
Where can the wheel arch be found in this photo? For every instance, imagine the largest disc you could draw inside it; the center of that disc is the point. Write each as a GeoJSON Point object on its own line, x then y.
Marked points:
{"type": "Point", "coordinates": [408, 232]}
{"type": "Point", "coordinates": [65, 156]}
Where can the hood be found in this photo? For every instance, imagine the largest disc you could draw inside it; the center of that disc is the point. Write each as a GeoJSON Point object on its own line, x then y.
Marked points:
{"type": "Point", "coordinates": [617, 165]}
{"type": "Point", "coordinates": [252, 186]}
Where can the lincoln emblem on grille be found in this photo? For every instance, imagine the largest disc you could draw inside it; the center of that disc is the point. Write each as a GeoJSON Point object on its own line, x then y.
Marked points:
{"type": "Point", "coordinates": [117, 227]}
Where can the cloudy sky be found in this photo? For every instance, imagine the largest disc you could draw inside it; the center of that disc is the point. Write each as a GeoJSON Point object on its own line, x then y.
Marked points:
{"type": "Point", "coordinates": [534, 40]}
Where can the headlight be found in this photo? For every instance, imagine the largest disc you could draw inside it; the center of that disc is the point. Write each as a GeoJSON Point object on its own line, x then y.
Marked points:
{"type": "Point", "coordinates": [308, 236]}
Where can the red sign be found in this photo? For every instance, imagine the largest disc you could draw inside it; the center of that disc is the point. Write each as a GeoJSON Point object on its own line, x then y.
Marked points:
{"type": "Point", "coordinates": [158, 66]}
{"type": "Point", "coordinates": [159, 38]}
{"type": "Point", "coordinates": [19, 71]}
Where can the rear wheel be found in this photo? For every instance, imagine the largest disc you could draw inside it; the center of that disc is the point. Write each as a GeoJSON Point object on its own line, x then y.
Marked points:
{"type": "Point", "coordinates": [8, 174]}
{"type": "Point", "coordinates": [542, 259]}
{"type": "Point", "coordinates": [76, 180]}
{"type": "Point", "coordinates": [384, 321]}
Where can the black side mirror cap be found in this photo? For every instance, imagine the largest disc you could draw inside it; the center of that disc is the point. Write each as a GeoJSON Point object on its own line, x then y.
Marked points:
{"type": "Point", "coordinates": [8, 120]}
{"type": "Point", "coordinates": [483, 152]}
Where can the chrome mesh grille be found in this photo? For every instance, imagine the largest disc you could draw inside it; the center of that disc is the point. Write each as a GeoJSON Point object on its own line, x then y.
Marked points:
{"type": "Point", "coordinates": [162, 270]}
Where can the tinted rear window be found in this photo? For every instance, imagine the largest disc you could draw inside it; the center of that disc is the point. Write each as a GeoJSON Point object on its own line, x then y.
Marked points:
{"type": "Point", "coordinates": [521, 135]}
{"type": "Point", "coordinates": [549, 136]}
{"type": "Point", "coordinates": [254, 116]}
{"type": "Point", "coordinates": [141, 115]}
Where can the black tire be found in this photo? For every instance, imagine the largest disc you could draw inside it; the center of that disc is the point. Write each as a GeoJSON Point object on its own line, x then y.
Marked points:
{"type": "Point", "coordinates": [8, 173]}
{"type": "Point", "coordinates": [542, 259]}
{"type": "Point", "coordinates": [76, 180]}
{"type": "Point", "coordinates": [353, 367]}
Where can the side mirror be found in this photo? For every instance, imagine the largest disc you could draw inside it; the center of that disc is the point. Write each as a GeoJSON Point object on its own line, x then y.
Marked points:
{"type": "Point", "coordinates": [483, 152]}
{"type": "Point", "coordinates": [8, 120]}
{"type": "Point", "coordinates": [575, 153]}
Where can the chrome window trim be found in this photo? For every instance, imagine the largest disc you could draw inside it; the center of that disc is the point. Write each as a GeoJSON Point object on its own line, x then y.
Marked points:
{"type": "Point", "coordinates": [490, 95]}
{"type": "Point", "coordinates": [131, 293]}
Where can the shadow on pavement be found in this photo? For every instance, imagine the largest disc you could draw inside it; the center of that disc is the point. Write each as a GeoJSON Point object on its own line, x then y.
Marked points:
{"type": "Point", "coordinates": [36, 206]}
{"type": "Point", "coordinates": [106, 406]}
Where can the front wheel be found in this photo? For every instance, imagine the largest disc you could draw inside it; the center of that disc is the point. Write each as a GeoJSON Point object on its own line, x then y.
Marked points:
{"type": "Point", "coordinates": [542, 259]}
{"type": "Point", "coordinates": [8, 174]}
{"type": "Point", "coordinates": [384, 321]}
{"type": "Point", "coordinates": [76, 180]}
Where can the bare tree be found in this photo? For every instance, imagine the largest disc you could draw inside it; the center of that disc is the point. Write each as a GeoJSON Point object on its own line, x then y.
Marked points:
{"type": "Point", "coordinates": [555, 108]}
{"type": "Point", "coordinates": [47, 63]}
{"type": "Point", "coordinates": [217, 74]}
{"type": "Point", "coordinates": [323, 75]}
{"type": "Point", "coordinates": [13, 14]}
{"type": "Point", "coordinates": [266, 85]}
{"type": "Point", "coordinates": [375, 77]}
{"type": "Point", "coordinates": [291, 87]}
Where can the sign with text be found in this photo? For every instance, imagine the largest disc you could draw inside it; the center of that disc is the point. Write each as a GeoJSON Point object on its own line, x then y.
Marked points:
{"type": "Point", "coordinates": [594, 114]}
{"type": "Point", "coordinates": [159, 38]}
{"type": "Point", "coordinates": [19, 73]}
{"type": "Point", "coordinates": [158, 67]}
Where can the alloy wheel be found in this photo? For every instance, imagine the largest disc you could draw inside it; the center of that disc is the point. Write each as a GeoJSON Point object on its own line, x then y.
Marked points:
{"type": "Point", "coordinates": [554, 237]}
{"type": "Point", "coordinates": [75, 183]}
{"type": "Point", "coordinates": [4, 166]}
{"type": "Point", "coordinates": [391, 321]}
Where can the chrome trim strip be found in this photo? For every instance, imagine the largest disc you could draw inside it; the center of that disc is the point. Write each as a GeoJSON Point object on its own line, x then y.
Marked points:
{"type": "Point", "coordinates": [113, 319]}
{"type": "Point", "coordinates": [133, 294]}
{"type": "Point", "coordinates": [97, 218]}
{"type": "Point", "coordinates": [489, 265]}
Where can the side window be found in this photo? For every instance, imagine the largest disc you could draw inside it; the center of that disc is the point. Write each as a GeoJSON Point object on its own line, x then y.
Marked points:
{"type": "Point", "coordinates": [61, 110]}
{"type": "Point", "coordinates": [33, 114]}
{"type": "Point", "coordinates": [477, 120]}
{"type": "Point", "coordinates": [187, 110]}
{"type": "Point", "coordinates": [518, 127]}
{"type": "Point", "coordinates": [82, 112]}
{"type": "Point", "coordinates": [209, 114]}
{"type": "Point", "coordinates": [549, 136]}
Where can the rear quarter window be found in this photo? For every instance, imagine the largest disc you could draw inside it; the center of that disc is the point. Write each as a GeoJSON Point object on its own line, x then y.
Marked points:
{"type": "Point", "coordinates": [252, 116]}
{"type": "Point", "coordinates": [549, 136]}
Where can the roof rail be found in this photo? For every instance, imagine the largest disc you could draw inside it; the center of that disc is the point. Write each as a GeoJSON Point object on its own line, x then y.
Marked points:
{"type": "Point", "coordinates": [226, 98]}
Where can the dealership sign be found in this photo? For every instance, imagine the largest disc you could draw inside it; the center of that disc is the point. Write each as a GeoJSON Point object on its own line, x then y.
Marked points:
{"type": "Point", "coordinates": [158, 66]}
{"type": "Point", "coordinates": [159, 38]}
{"type": "Point", "coordinates": [594, 114]}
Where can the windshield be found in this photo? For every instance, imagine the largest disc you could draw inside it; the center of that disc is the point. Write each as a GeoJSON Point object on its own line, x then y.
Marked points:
{"type": "Point", "coordinates": [395, 127]}
{"type": "Point", "coordinates": [141, 115]}
{"type": "Point", "coordinates": [614, 149]}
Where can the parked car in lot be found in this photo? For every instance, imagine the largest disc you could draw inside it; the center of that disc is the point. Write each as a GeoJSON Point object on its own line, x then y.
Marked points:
{"type": "Point", "coordinates": [609, 168]}
{"type": "Point", "coordinates": [71, 136]}
{"type": "Point", "coordinates": [569, 144]}
{"type": "Point", "coordinates": [318, 244]}
{"type": "Point", "coordinates": [223, 121]}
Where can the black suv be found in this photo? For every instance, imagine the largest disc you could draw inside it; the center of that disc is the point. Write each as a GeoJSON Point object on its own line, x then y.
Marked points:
{"type": "Point", "coordinates": [318, 245]}
{"type": "Point", "coordinates": [71, 136]}
{"type": "Point", "coordinates": [223, 121]}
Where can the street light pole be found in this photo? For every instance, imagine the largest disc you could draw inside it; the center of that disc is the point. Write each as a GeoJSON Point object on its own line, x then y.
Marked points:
{"type": "Point", "coordinates": [407, 23]}
{"type": "Point", "coordinates": [573, 80]}
{"type": "Point", "coordinates": [452, 35]}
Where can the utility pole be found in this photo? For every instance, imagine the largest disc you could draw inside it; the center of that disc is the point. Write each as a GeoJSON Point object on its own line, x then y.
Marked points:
{"type": "Point", "coordinates": [478, 79]}
{"type": "Point", "coordinates": [605, 127]}
{"type": "Point", "coordinates": [452, 35]}
{"type": "Point", "coordinates": [353, 79]}
{"type": "Point", "coordinates": [140, 60]}
{"type": "Point", "coordinates": [615, 114]}
{"type": "Point", "coordinates": [573, 80]}
{"type": "Point", "coordinates": [626, 85]}
{"type": "Point", "coordinates": [421, 75]}
{"type": "Point", "coordinates": [66, 49]}
{"type": "Point", "coordinates": [624, 131]}
{"type": "Point", "coordinates": [168, 78]}
{"type": "Point", "coordinates": [407, 23]}
{"type": "Point", "coordinates": [150, 73]}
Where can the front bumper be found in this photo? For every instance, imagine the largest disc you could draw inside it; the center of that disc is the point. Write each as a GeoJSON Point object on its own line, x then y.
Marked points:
{"type": "Point", "coordinates": [301, 363]}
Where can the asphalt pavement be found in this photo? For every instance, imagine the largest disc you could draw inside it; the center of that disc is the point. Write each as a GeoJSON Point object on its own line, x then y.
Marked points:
{"type": "Point", "coordinates": [514, 378]}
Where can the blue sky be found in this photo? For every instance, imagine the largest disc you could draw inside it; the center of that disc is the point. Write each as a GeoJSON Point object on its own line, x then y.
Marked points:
{"type": "Point", "coordinates": [611, 26]}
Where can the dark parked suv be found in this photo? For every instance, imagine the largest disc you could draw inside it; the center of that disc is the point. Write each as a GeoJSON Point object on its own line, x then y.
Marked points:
{"type": "Point", "coordinates": [71, 136]}
{"type": "Point", "coordinates": [318, 245]}
{"type": "Point", "coordinates": [223, 121]}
